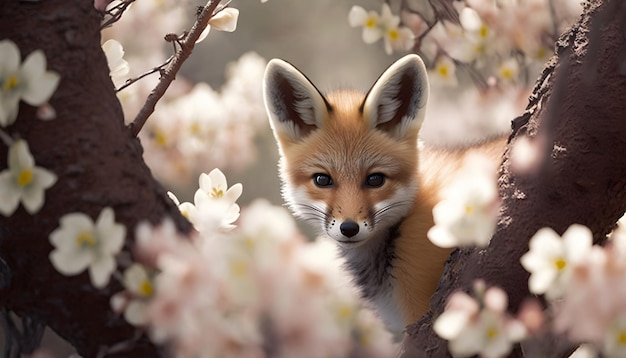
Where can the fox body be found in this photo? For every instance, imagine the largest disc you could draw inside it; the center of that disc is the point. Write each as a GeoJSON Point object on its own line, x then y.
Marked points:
{"type": "Point", "coordinates": [351, 163]}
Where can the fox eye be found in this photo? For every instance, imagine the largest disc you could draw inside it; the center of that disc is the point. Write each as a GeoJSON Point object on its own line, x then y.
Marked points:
{"type": "Point", "coordinates": [322, 180]}
{"type": "Point", "coordinates": [375, 180]}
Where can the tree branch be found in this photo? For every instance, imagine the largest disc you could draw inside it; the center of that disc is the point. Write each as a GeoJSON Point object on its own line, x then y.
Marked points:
{"type": "Point", "coordinates": [169, 74]}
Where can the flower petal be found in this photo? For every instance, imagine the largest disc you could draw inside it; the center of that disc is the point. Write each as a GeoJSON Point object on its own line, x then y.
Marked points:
{"type": "Point", "coordinates": [10, 194]}
{"type": "Point", "coordinates": [135, 313]}
{"type": "Point", "coordinates": [225, 20]}
{"type": "Point", "coordinates": [41, 92]}
{"type": "Point", "coordinates": [100, 270]}
{"type": "Point", "coordinates": [44, 178]}
{"type": "Point", "coordinates": [357, 16]}
{"type": "Point", "coordinates": [20, 157]}
{"type": "Point", "coordinates": [234, 192]}
{"type": "Point", "coordinates": [9, 58]}
{"type": "Point", "coordinates": [9, 107]}
{"type": "Point", "coordinates": [218, 180]}
{"type": "Point", "coordinates": [70, 263]}
{"type": "Point", "coordinates": [111, 234]}
{"type": "Point", "coordinates": [33, 198]}
{"type": "Point", "coordinates": [371, 35]}
{"type": "Point", "coordinates": [204, 34]}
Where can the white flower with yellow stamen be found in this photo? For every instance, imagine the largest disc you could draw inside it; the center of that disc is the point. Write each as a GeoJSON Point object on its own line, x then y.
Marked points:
{"type": "Point", "coordinates": [140, 285]}
{"type": "Point", "coordinates": [215, 203]}
{"type": "Point", "coordinates": [444, 72]}
{"type": "Point", "coordinates": [23, 181]}
{"type": "Point", "coordinates": [29, 82]}
{"type": "Point", "coordinates": [370, 20]}
{"type": "Point", "coordinates": [79, 243]}
{"type": "Point", "coordinates": [551, 259]}
{"type": "Point", "coordinates": [396, 37]}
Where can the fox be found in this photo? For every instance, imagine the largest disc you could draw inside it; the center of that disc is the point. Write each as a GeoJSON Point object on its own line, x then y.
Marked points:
{"type": "Point", "coordinates": [352, 163]}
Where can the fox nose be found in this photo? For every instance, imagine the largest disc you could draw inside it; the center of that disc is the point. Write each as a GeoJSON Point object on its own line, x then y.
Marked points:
{"type": "Point", "coordinates": [349, 228]}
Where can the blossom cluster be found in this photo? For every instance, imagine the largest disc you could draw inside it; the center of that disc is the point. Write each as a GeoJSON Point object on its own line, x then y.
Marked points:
{"type": "Point", "coordinates": [500, 40]}
{"type": "Point", "coordinates": [385, 25]}
{"type": "Point", "coordinates": [479, 325]}
{"type": "Point", "coordinates": [203, 128]}
{"type": "Point", "coordinates": [585, 285]}
{"type": "Point", "coordinates": [30, 81]}
{"type": "Point", "coordinates": [489, 52]}
{"type": "Point", "coordinates": [266, 288]}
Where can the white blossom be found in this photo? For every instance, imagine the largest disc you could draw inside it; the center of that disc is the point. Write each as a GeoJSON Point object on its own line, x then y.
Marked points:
{"type": "Point", "coordinates": [472, 328]}
{"type": "Point", "coordinates": [551, 258]}
{"type": "Point", "coordinates": [370, 20]}
{"type": "Point", "coordinates": [29, 82]}
{"type": "Point", "coordinates": [139, 284]}
{"type": "Point", "coordinates": [79, 243]}
{"type": "Point", "coordinates": [225, 20]}
{"type": "Point", "coordinates": [215, 202]}
{"type": "Point", "coordinates": [118, 66]}
{"type": "Point", "coordinates": [23, 181]}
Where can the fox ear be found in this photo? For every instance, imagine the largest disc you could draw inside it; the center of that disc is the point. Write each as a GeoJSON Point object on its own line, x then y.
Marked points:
{"type": "Point", "coordinates": [396, 103]}
{"type": "Point", "coordinates": [295, 107]}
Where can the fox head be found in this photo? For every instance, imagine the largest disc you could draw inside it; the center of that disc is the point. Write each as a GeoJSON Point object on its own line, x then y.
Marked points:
{"type": "Point", "coordinates": [348, 159]}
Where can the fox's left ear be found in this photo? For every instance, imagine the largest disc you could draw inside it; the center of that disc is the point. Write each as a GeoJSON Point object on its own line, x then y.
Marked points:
{"type": "Point", "coordinates": [396, 103]}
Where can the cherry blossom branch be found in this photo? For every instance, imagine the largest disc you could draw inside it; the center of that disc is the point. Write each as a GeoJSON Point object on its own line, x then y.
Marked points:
{"type": "Point", "coordinates": [160, 68]}
{"type": "Point", "coordinates": [116, 13]}
{"type": "Point", "coordinates": [169, 73]}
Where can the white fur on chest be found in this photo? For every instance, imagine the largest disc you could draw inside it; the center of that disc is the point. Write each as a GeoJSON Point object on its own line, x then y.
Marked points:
{"type": "Point", "coordinates": [386, 305]}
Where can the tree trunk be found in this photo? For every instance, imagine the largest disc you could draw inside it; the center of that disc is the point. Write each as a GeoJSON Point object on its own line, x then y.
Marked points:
{"type": "Point", "coordinates": [98, 164]}
{"type": "Point", "coordinates": [578, 109]}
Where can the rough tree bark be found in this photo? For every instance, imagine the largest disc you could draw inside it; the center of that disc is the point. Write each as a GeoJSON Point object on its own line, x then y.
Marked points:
{"type": "Point", "coordinates": [98, 164]}
{"type": "Point", "coordinates": [578, 109]}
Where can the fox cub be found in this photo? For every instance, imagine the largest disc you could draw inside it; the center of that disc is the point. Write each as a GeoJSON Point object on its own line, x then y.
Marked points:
{"type": "Point", "coordinates": [350, 162]}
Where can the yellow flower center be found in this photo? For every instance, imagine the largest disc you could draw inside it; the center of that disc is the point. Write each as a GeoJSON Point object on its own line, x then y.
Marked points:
{"type": "Point", "coordinates": [249, 243]}
{"type": "Point", "coordinates": [10, 83]}
{"type": "Point", "coordinates": [195, 129]}
{"type": "Point", "coordinates": [443, 71]}
{"type": "Point", "coordinates": [160, 138]}
{"type": "Point", "coordinates": [560, 263]}
{"type": "Point", "coordinates": [621, 337]}
{"type": "Point", "coordinates": [394, 34]}
{"type": "Point", "coordinates": [370, 23]}
{"type": "Point", "coordinates": [542, 52]}
{"type": "Point", "coordinates": [469, 209]}
{"type": "Point", "coordinates": [86, 238]}
{"type": "Point", "coordinates": [506, 73]}
{"type": "Point", "coordinates": [238, 268]}
{"type": "Point", "coordinates": [483, 31]}
{"type": "Point", "coordinates": [25, 177]}
{"type": "Point", "coordinates": [146, 288]}
{"type": "Point", "coordinates": [345, 312]}
{"type": "Point", "coordinates": [492, 333]}
{"type": "Point", "coordinates": [216, 192]}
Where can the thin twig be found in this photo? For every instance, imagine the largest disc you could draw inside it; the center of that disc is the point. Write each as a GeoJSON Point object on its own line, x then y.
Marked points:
{"type": "Point", "coordinates": [158, 68]}
{"type": "Point", "coordinates": [169, 73]}
{"type": "Point", "coordinates": [116, 13]}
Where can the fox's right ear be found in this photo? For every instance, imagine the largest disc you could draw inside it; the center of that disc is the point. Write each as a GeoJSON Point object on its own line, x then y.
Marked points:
{"type": "Point", "coordinates": [295, 107]}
